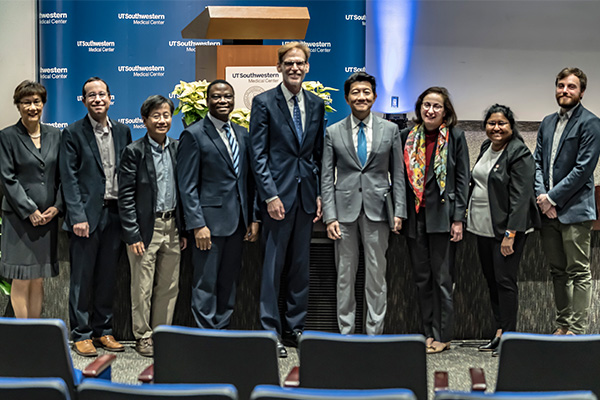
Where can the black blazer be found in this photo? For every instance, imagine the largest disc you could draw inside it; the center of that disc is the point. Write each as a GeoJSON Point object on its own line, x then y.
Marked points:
{"type": "Point", "coordinates": [137, 190]}
{"type": "Point", "coordinates": [81, 172]}
{"type": "Point", "coordinates": [441, 211]}
{"type": "Point", "coordinates": [511, 189]}
{"type": "Point", "coordinates": [30, 178]}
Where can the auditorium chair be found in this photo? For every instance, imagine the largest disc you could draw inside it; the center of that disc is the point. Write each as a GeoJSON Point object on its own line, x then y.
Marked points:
{"type": "Point", "coordinates": [33, 388]}
{"type": "Point", "coordinates": [98, 390]}
{"type": "Point", "coordinates": [269, 392]}
{"type": "Point", "coordinates": [335, 361]}
{"type": "Point", "coordinates": [39, 348]}
{"type": "Point", "coordinates": [569, 395]}
{"type": "Point", "coordinates": [534, 363]}
{"type": "Point", "coordinates": [192, 355]}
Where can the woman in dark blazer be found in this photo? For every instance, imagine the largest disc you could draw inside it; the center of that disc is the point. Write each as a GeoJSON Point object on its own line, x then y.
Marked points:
{"type": "Point", "coordinates": [502, 209]}
{"type": "Point", "coordinates": [32, 199]}
{"type": "Point", "coordinates": [437, 176]}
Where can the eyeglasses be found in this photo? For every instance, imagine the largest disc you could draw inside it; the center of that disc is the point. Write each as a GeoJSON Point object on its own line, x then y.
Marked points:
{"type": "Point", "coordinates": [93, 95]}
{"type": "Point", "coordinates": [28, 103]}
{"type": "Point", "coordinates": [290, 64]}
{"type": "Point", "coordinates": [219, 96]}
{"type": "Point", "coordinates": [501, 124]}
{"type": "Point", "coordinates": [436, 107]}
{"type": "Point", "coordinates": [166, 116]}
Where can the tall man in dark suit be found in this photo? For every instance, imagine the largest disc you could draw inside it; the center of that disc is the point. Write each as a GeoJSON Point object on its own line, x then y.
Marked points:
{"type": "Point", "coordinates": [89, 158]}
{"type": "Point", "coordinates": [362, 164]}
{"type": "Point", "coordinates": [286, 135]}
{"type": "Point", "coordinates": [148, 209]}
{"type": "Point", "coordinates": [566, 154]}
{"type": "Point", "coordinates": [213, 174]}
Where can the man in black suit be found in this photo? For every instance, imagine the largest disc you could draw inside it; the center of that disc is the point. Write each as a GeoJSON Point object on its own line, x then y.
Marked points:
{"type": "Point", "coordinates": [147, 206]}
{"type": "Point", "coordinates": [89, 157]}
{"type": "Point", "coordinates": [286, 131]}
{"type": "Point", "coordinates": [212, 174]}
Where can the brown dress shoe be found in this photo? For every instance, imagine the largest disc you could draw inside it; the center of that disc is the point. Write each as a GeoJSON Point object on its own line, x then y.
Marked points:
{"type": "Point", "coordinates": [145, 347]}
{"type": "Point", "coordinates": [85, 348]}
{"type": "Point", "coordinates": [108, 342]}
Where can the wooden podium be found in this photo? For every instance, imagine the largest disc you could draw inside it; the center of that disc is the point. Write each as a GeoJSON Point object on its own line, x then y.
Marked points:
{"type": "Point", "coordinates": [243, 30]}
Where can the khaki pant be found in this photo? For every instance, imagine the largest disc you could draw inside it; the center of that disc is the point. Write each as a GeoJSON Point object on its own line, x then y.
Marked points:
{"type": "Point", "coordinates": [155, 280]}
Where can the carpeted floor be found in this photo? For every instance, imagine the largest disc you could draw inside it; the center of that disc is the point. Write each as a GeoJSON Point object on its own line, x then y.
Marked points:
{"type": "Point", "coordinates": [456, 361]}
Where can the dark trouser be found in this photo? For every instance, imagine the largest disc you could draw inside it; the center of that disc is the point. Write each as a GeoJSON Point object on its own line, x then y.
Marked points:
{"type": "Point", "coordinates": [286, 242]}
{"type": "Point", "coordinates": [215, 278]}
{"type": "Point", "coordinates": [432, 258]}
{"type": "Point", "coordinates": [501, 275]}
{"type": "Point", "coordinates": [94, 263]}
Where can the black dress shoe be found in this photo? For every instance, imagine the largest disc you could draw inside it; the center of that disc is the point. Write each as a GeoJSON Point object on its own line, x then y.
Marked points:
{"type": "Point", "coordinates": [496, 352]}
{"type": "Point", "coordinates": [492, 345]}
{"type": "Point", "coordinates": [291, 339]}
{"type": "Point", "coordinates": [281, 351]}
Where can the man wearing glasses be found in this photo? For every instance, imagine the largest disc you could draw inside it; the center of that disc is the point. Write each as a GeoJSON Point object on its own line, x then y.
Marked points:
{"type": "Point", "coordinates": [214, 186]}
{"type": "Point", "coordinates": [89, 158]}
{"type": "Point", "coordinates": [286, 135]}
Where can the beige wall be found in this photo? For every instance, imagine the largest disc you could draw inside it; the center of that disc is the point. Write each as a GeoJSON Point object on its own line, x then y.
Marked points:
{"type": "Point", "coordinates": [17, 52]}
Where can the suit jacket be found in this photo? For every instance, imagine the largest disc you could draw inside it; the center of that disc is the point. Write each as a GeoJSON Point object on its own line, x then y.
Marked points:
{"type": "Point", "coordinates": [81, 171]}
{"type": "Point", "coordinates": [281, 165]}
{"type": "Point", "coordinates": [442, 210]}
{"type": "Point", "coordinates": [510, 189]}
{"type": "Point", "coordinates": [211, 193]}
{"type": "Point", "coordinates": [576, 159]}
{"type": "Point", "coordinates": [138, 189]}
{"type": "Point", "coordinates": [30, 178]}
{"type": "Point", "coordinates": [359, 187]}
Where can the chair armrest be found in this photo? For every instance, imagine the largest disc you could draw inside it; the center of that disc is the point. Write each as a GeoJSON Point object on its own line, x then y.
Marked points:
{"type": "Point", "coordinates": [147, 375]}
{"type": "Point", "coordinates": [440, 381]}
{"type": "Point", "coordinates": [293, 378]}
{"type": "Point", "coordinates": [95, 368]}
{"type": "Point", "coordinates": [477, 380]}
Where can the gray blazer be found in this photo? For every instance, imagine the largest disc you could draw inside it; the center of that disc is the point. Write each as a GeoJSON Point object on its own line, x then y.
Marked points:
{"type": "Point", "coordinates": [30, 178]}
{"type": "Point", "coordinates": [359, 187]}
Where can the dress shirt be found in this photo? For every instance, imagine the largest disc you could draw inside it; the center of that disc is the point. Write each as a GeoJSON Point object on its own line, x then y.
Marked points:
{"type": "Point", "coordinates": [106, 147]}
{"type": "Point", "coordinates": [368, 132]}
{"type": "Point", "coordinates": [290, 103]}
{"type": "Point", "coordinates": [166, 195]}
{"type": "Point", "coordinates": [220, 126]}
{"type": "Point", "coordinates": [563, 119]}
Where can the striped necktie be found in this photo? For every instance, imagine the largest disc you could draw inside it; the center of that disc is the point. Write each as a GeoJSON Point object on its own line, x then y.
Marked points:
{"type": "Point", "coordinates": [235, 153]}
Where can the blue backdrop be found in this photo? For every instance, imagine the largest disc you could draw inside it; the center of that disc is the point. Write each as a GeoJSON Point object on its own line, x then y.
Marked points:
{"type": "Point", "coordinates": [137, 48]}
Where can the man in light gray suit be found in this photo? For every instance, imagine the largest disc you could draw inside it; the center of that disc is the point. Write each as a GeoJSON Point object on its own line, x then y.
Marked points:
{"type": "Point", "coordinates": [362, 162]}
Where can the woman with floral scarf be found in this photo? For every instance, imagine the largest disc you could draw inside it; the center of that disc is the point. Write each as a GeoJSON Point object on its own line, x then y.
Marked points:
{"type": "Point", "coordinates": [437, 178]}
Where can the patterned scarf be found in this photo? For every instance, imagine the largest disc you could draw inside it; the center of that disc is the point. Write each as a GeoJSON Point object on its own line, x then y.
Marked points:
{"type": "Point", "coordinates": [414, 159]}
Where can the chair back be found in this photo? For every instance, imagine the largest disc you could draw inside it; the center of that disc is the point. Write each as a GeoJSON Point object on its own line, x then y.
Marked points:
{"type": "Point", "coordinates": [531, 362]}
{"type": "Point", "coordinates": [268, 392]}
{"type": "Point", "coordinates": [574, 395]}
{"type": "Point", "coordinates": [36, 348]}
{"type": "Point", "coordinates": [334, 361]}
{"type": "Point", "coordinates": [104, 390]}
{"type": "Point", "coordinates": [33, 388]}
{"type": "Point", "coordinates": [191, 355]}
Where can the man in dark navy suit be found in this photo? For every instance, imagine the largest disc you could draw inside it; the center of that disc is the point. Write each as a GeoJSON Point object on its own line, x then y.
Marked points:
{"type": "Point", "coordinates": [213, 178]}
{"type": "Point", "coordinates": [89, 159]}
{"type": "Point", "coordinates": [566, 155]}
{"type": "Point", "coordinates": [286, 135]}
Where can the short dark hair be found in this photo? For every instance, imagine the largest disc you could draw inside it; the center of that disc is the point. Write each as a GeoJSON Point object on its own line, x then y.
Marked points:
{"type": "Point", "coordinates": [359, 77]}
{"type": "Point", "coordinates": [154, 102]}
{"type": "Point", "coordinates": [508, 114]}
{"type": "Point", "coordinates": [94, 79]}
{"type": "Point", "coordinates": [450, 118]}
{"type": "Point", "coordinates": [217, 81]}
{"type": "Point", "coordinates": [29, 88]}
{"type": "Point", "coordinates": [572, 71]}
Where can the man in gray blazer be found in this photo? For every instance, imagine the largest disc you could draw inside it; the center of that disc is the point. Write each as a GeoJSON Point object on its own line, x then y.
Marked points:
{"type": "Point", "coordinates": [566, 155]}
{"type": "Point", "coordinates": [366, 152]}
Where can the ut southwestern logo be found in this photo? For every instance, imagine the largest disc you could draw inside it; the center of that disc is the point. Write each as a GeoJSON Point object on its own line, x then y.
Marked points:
{"type": "Point", "coordinates": [135, 123]}
{"type": "Point", "coordinates": [355, 69]}
{"type": "Point", "coordinates": [53, 18]}
{"type": "Point", "coordinates": [54, 73]}
{"type": "Point", "coordinates": [143, 19]}
{"type": "Point", "coordinates": [143, 71]}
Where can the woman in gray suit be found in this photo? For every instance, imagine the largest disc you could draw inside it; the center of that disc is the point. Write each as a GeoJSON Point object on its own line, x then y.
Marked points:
{"type": "Point", "coordinates": [502, 208]}
{"type": "Point", "coordinates": [32, 199]}
{"type": "Point", "coordinates": [437, 175]}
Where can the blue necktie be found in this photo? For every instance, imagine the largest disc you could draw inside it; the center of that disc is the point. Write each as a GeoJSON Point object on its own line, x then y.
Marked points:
{"type": "Point", "coordinates": [361, 148]}
{"type": "Point", "coordinates": [235, 153]}
{"type": "Point", "coordinates": [297, 119]}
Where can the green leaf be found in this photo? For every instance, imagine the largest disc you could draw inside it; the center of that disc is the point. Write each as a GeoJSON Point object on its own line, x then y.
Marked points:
{"type": "Point", "coordinates": [4, 287]}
